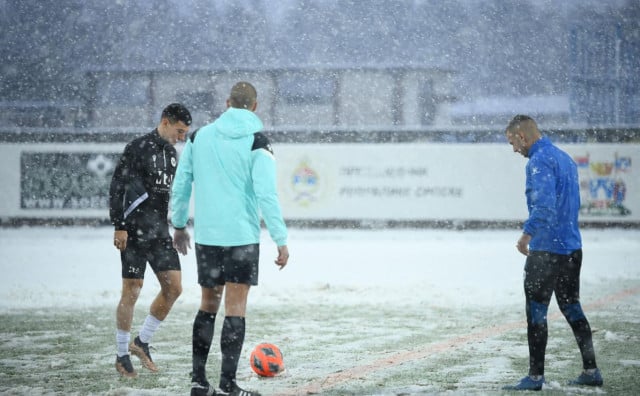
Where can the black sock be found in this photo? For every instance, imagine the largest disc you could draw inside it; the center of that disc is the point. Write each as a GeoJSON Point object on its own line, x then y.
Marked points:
{"type": "Point", "coordinates": [231, 342]}
{"type": "Point", "coordinates": [201, 343]}
{"type": "Point", "coordinates": [582, 333]}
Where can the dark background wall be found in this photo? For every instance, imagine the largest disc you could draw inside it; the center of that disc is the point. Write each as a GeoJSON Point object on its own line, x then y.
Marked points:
{"type": "Point", "coordinates": [496, 47]}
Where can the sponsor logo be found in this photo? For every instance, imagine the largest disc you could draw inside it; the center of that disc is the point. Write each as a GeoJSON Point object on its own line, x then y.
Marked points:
{"type": "Point", "coordinates": [65, 180]}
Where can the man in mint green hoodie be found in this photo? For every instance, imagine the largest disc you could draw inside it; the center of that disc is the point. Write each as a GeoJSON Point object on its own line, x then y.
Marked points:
{"type": "Point", "coordinates": [232, 169]}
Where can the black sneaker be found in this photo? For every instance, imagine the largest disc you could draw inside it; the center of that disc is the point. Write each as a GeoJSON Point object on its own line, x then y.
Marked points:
{"type": "Point", "coordinates": [141, 350]}
{"type": "Point", "coordinates": [202, 389]}
{"type": "Point", "coordinates": [235, 390]}
{"type": "Point", "coordinates": [124, 366]}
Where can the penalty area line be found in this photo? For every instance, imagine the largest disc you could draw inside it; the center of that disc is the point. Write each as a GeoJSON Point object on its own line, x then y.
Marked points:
{"type": "Point", "coordinates": [321, 384]}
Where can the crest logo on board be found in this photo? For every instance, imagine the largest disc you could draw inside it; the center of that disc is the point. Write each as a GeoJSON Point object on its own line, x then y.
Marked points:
{"type": "Point", "coordinates": [305, 184]}
{"type": "Point", "coordinates": [603, 190]}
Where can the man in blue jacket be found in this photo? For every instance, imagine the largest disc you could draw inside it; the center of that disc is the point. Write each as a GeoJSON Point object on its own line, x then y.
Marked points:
{"type": "Point", "coordinates": [552, 243]}
{"type": "Point", "coordinates": [232, 169]}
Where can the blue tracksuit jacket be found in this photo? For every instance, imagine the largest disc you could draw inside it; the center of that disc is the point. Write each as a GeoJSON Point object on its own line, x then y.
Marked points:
{"type": "Point", "coordinates": [233, 172]}
{"type": "Point", "coordinates": [553, 199]}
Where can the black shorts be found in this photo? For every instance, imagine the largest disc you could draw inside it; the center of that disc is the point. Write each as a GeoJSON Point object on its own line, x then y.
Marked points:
{"type": "Point", "coordinates": [218, 265]}
{"type": "Point", "coordinates": [159, 253]}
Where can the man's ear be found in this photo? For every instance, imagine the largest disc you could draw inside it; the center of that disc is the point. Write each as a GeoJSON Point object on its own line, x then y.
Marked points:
{"type": "Point", "coordinates": [255, 106]}
{"type": "Point", "coordinates": [522, 136]}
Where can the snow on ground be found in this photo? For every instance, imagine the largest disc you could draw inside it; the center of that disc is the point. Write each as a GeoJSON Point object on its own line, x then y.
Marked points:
{"type": "Point", "coordinates": [54, 267]}
{"type": "Point", "coordinates": [395, 311]}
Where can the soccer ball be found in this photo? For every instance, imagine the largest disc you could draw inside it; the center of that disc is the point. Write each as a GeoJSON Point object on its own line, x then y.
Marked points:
{"type": "Point", "coordinates": [266, 360]}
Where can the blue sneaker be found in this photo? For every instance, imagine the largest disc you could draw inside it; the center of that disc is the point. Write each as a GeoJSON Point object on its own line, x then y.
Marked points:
{"type": "Point", "coordinates": [525, 384]}
{"type": "Point", "coordinates": [594, 379]}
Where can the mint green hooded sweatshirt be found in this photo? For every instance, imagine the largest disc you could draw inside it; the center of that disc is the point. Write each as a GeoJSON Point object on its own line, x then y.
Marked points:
{"type": "Point", "coordinates": [234, 183]}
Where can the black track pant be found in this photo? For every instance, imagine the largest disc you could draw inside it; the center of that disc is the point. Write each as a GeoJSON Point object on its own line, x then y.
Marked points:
{"type": "Point", "coordinates": [545, 274]}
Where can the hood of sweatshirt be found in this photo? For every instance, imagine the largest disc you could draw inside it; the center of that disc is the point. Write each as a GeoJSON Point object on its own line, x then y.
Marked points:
{"type": "Point", "coordinates": [237, 123]}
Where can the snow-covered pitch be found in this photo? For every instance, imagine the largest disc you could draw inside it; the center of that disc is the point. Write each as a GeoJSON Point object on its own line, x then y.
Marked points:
{"type": "Point", "coordinates": [356, 312]}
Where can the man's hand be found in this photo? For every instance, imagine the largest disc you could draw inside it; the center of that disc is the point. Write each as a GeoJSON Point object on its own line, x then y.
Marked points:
{"type": "Point", "coordinates": [181, 241]}
{"type": "Point", "coordinates": [523, 244]}
{"type": "Point", "coordinates": [120, 239]}
{"type": "Point", "coordinates": [283, 256]}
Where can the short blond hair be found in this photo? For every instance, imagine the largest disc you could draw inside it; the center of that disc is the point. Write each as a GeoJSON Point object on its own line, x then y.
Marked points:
{"type": "Point", "coordinates": [243, 96]}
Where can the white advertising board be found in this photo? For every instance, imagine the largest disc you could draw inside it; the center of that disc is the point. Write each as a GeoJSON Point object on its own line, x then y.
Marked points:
{"type": "Point", "coordinates": [346, 181]}
{"type": "Point", "coordinates": [432, 181]}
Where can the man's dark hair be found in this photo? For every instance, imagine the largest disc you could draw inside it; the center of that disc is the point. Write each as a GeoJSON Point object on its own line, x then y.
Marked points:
{"type": "Point", "coordinates": [517, 120]}
{"type": "Point", "coordinates": [177, 112]}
